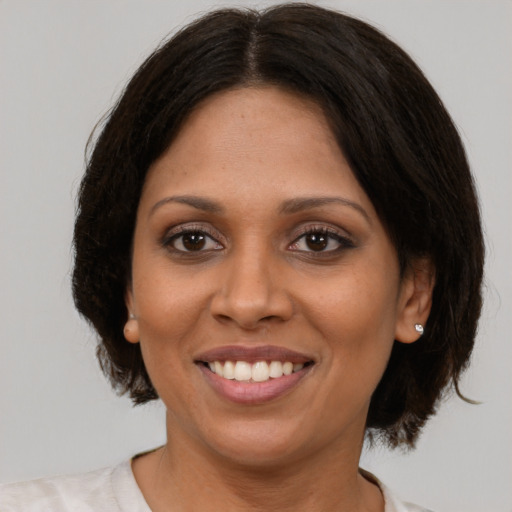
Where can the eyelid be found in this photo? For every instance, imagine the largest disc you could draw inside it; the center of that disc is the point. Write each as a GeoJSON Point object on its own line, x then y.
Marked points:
{"type": "Point", "coordinates": [345, 240]}
{"type": "Point", "coordinates": [325, 227]}
{"type": "Point", "coordinates": [175, 231]}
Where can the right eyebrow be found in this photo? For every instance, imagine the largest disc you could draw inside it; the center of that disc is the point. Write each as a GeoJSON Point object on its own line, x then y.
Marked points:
{"type": "Point", "coordinates": [200, 203]}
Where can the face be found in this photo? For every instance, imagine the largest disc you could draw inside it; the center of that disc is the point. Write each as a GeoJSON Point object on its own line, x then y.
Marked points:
{"type": "Point", "coordinates": [265, 290]}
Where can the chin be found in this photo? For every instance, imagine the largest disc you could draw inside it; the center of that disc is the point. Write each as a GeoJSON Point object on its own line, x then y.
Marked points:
{"type": "Point", "coordinates": [257, 444]}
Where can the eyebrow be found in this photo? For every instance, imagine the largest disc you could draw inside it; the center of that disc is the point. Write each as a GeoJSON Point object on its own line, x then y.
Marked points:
{"type": "Point", "coordinates": [307, 203]}
{"type": "Point", "coordinates": [290, 206]}
{"type": "Point", "coordinates": [200, 203]}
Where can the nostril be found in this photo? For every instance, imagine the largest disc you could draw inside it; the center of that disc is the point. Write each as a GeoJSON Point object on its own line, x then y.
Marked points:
{"type": "Point", "coordinates": [250, 297]}
{"type": "Point", "coordinates": [223, 318]}
{"type": "Point", "coordinates": [245, 319]}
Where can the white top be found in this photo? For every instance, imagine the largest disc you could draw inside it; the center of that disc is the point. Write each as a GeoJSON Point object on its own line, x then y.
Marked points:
{"type": "Point", "coordinates": [112, 489]}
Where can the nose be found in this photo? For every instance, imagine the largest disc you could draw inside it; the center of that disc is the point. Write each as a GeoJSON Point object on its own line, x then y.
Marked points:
{"type": "Point", "coordinates": [252, 292]}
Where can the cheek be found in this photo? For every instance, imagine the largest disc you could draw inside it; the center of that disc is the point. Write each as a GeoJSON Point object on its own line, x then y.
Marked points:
{"type": "Point", "coordinates": [168, 319]}
{"type": "Point", "coordinates": [357, 318]}
{"type": "Point", "coordinates": [169, 311]}
{"type": "Point", "coordinates": [363, 303]}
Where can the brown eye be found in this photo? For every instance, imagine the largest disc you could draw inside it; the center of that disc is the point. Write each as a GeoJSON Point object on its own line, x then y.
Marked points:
{"type": "Point", "coordinates": [321, 240]}
{"type": "Point", "coordinates": [192, 241]}
{"type": "Point", "coordinates": [317, 241]}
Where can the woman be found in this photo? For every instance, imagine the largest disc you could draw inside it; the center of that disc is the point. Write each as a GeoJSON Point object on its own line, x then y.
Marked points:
{"type": "Point", "coordinates": [278, 236]}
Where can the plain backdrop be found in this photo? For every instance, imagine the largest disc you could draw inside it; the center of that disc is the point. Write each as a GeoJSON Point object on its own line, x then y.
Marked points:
{"type": "Point", "coordinates": [62, 64]}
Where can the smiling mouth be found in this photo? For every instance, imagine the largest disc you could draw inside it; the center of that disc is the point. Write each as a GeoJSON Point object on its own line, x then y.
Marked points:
{"type": "Point", "coordinates": [259, 371]}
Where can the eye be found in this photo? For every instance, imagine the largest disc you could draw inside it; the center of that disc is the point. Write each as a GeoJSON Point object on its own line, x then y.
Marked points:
{"type": "Point", "coordinates": [192, 240]}
{"type": "Point", "coordinates": [320, 240]}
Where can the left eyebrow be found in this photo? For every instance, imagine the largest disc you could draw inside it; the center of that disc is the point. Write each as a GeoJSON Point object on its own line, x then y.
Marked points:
{"type": "Point", "coordinates": [307, 203]}
{"type": "Point", "coordinates": [200, 203]}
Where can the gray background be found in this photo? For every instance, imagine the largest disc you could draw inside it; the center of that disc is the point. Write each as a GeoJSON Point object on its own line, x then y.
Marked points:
{"type": "Point", "coordinates": [62, 64]}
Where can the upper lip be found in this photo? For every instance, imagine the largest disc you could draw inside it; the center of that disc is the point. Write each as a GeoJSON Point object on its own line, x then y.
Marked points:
{"type": "Point", "coordinates": [253, 354]}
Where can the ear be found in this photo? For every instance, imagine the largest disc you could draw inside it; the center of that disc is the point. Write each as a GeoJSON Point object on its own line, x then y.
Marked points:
{"type": "Point", "coordinates": [131, 327]}
{"type": "Point", "coordinates": [415, 300]}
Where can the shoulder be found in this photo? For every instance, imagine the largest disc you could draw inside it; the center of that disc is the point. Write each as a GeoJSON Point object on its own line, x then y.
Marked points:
{"type": "Point", "coordinates": [391, 500]}
{"type": "Point", "coordinates": [394, 504]}
{"type": "Point", "coordinates": [111, 489]}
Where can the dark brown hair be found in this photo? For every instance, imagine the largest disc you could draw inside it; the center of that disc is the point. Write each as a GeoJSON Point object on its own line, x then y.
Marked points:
{"type": "Point", "coordinates": [392, 127]}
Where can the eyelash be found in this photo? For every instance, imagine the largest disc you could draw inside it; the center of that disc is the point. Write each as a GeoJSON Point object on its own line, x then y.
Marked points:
{"type": "Point", "coordinates": [330, 234]}
{"type": "Point", "coordinates": [170, 239]}
{"type": "Point", "coordinates": [174, 235]}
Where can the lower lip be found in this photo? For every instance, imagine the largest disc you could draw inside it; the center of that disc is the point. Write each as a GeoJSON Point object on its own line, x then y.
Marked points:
{"type": "Point", "coordinates": [253, 392]}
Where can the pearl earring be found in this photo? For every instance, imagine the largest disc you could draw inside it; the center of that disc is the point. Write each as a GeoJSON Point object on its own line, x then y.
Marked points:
{"type": "Point", "coordinates": [419, 329]}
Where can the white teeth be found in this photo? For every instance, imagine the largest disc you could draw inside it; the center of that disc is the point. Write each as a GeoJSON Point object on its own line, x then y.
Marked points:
{"type": "Point", "coordinates": [218, 368]}
{"type": "Point", "coordinates": [228, 371]}
{"type": "Point", "coordinates": [287, 368]}
{"type": "Point", "coordinates": [276, 369]}
{"type": "Point", "coordinates": [242, 370]}
{"type": "Point", "coordinates": [260, 371]}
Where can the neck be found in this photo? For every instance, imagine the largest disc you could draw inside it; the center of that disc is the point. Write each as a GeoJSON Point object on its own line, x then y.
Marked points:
{"type": "Point", "coordinates": [191, 478]}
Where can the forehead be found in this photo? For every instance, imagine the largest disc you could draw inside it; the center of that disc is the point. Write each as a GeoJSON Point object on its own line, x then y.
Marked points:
{"type": "Point", "coordinates": [253, 144]}
{"type": "Point", "coordinates": [258, 122]}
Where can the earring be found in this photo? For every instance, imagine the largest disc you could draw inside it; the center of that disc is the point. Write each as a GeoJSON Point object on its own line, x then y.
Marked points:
{"type": "Point", "coordinates": [419, 329]}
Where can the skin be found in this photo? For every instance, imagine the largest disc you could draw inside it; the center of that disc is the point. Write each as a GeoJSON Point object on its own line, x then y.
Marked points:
{"type": "Point", "coordinates": [251, 152]}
